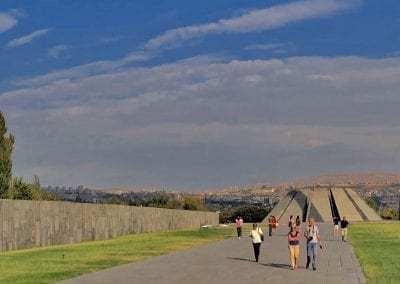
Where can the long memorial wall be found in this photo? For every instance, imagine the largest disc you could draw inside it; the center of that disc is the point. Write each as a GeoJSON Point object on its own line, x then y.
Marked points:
{"type": "Point", "coordinates": [27, 224]}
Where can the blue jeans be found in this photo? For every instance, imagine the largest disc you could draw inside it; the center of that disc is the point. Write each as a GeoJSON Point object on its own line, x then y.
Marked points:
{"type": "Point", "coordinates": [312, 253]}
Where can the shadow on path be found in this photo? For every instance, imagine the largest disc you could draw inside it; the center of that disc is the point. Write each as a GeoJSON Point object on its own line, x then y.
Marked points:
{"type": "Point", "coordinates": [242, 259]}
{"type": "Point", "coordinates": [277, 265]}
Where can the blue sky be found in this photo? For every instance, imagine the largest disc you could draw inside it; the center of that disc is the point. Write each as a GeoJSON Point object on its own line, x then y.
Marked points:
{"type": "Point", "coordinates": [199, 95]}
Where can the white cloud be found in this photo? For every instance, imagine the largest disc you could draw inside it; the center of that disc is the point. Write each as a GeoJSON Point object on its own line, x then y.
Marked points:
{"type": "Point", "coordinates": [56, 51]}
{"type": "Point", "coordinates": [7, 22]}
{"type": "Point", "coordinates": [270, 46]}
{"type": "Point", "coordinates": [28, 38]}
{"type": "Point", "coordinates": [254, 21]}
{"type": "Point", "coordinates": [209, 122]}
{"type": "Point", "coordinates": [85, 70]}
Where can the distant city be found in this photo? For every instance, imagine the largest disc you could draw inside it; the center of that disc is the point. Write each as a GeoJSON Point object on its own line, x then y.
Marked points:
{"type": "Point", "coordinates": [383, 195]}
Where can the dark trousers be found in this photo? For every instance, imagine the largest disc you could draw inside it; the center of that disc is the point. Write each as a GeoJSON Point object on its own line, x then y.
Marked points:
{"type": "Point", "coordinates": [256, 247]}
{"type": "Point", "coordinates": [270, 229]}
{"type": "Point", "coordinates": [239, 231]}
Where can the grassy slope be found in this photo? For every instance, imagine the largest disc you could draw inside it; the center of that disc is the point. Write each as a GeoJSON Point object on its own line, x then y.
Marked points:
{"type": "Point", "coordinates": [46, 265]}
{"type": "Point", "coordinates": [377, 247]}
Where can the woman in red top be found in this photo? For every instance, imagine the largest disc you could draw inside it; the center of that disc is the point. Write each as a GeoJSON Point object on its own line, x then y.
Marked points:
{"type": "Point", "coordinates": [239, 224]}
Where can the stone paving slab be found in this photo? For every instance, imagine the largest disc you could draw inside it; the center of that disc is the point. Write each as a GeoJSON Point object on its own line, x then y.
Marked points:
{"type": "Point", "coordinates": [231, 261]}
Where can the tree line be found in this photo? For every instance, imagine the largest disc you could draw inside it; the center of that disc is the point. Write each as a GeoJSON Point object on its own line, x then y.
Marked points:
{"type": "Point", "coordinates": [160, 199]}
{"type": "Point", "coordinates": [15, 187]}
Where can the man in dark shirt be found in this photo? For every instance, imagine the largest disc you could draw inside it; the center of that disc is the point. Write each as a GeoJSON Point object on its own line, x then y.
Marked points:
{"type": "Point", "coordinates": [343, 225]}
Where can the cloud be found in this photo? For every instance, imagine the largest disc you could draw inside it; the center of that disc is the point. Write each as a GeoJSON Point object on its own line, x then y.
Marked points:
{"type": "Point", "coordinates": [28, 38]}
{"type": "Point", "coordinates": [208, 122]}
{"type": "Point", "coordinates": [254, 21]}
{"type": "Point", "coordinates": [7, 22]}
{"type": "Point", "coordinates": [275, 48]}
{"type": "Point", "coordinates": [270, 46]}
{"type": "Point", "coordinates": [55, 51]}
{"type": "Point", "coordinates": [85, 70]}
{"type": "Point", "coordinates": [256, 91]}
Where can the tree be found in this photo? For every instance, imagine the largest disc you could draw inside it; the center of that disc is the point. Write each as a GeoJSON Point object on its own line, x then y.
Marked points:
{"type": "Point", "coordinates": [388, 213]}
{"type": "Point", "coordinates": [249, 213]}
{"type": "Point", "coordinates": [19, 189]}
{"type": "Point", "coordinates": [193, 203]}
{"type": "Point", "coordinates": [6, 146]}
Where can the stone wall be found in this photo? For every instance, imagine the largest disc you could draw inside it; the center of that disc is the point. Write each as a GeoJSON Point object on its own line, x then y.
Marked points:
{"type": "Point", "coordinates": [27, 224]}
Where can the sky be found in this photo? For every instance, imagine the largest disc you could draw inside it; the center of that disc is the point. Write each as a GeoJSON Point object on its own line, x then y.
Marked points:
{"type": "Point", "coordinates": [196, 95]}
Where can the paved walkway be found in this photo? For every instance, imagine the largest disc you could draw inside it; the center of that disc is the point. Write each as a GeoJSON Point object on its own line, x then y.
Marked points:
{"type": "Point", "coordinates": [231, 261]}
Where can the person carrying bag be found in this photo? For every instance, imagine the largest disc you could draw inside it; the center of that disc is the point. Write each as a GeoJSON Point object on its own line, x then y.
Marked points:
{"type": "Point", "coordinates": [257, 237]}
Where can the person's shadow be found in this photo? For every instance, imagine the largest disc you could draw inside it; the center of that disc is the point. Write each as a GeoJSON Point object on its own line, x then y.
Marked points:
{"type": "Point", "coordinates": [277, 265]}
{"type": "Point", "coordinates": [242, 259]}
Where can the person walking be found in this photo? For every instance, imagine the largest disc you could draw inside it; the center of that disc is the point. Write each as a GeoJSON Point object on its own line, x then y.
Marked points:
{"type": "Point", "coordinates": [270, 225]}
{"type": "Point", "coordinates": [274, 223]}
{"type": "Point", "coordinates": [298, 223]}
{"type": "Point", "coordinates": [257, 237]}
{"type": "Point", "coordinates": [335, 227]}
{"type": "Point", "coordinates": [313, 239]}
{"type": "Point", "coordinates": [239, 225]}
{"type": "Point", "coordinates": [343, 226]}
{"type": "Point", "coordinates": [294, 248]}
{"type": "Point", "coordinates": [291, 221]}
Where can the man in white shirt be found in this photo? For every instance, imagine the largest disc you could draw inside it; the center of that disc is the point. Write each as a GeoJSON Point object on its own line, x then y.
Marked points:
{"type": "Point", "coordinates": [313, 239]}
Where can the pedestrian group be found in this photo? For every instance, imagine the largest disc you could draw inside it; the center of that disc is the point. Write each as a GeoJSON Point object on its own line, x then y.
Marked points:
{"type": "Point", "coordinates": [311, 234]}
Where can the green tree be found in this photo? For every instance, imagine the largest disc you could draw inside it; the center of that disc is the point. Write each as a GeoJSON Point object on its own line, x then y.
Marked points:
{"type": "Point", "coordinates": [6, 146]}
{"type": "Point", "coordinates": [227, 215]}
{"type": "Point", "coordinates": [388, 213]}
{"type": "Point", "coordinates": [193, 203]}
{"type": "Point", "coordinates": [19, 189]}
{"type": "Point", "coordinates": [252, 213]}
{"type": "Point", "coordinates": [159, 199]}
{"type": "Point", "coordinates": [174, 204]}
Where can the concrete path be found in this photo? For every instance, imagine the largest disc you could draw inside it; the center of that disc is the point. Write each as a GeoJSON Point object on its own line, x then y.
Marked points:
{"type": "Point", "coordinates": [231, 261]}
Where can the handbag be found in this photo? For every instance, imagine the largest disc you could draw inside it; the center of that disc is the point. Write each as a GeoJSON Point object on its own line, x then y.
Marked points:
{"type": "Point", "coordinates": [261, 235]}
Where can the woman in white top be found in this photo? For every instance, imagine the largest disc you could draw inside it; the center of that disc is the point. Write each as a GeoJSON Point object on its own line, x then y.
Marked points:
{"type": "Point", "coordinates": [257, 236]}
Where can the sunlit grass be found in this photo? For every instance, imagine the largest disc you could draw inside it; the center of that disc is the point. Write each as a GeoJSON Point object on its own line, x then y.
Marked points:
{"type": "Point", "coordinates": [377, 246]}
{"type": "Point", "coordinates": [50, 264]}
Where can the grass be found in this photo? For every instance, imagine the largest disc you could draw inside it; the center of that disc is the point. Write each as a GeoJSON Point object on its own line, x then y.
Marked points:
{"type": "Point", "coordinates": [51, 264]}
{"type": "Point", "coordinates": [377, 247]}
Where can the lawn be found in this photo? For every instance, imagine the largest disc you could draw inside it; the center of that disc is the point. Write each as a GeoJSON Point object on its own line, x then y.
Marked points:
{"type": "Point", "coordinates": [50, 264]}
{"type": "Point", "coordinates": [377, 246]}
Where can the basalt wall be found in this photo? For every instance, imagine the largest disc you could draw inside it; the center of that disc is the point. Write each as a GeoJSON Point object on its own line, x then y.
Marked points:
{"type": "Point", "coordinates": [27, 224]}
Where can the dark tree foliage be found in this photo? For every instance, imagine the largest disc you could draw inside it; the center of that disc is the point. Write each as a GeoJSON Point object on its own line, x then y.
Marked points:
{"type": "Point", "coordinates": [160, 199]}
{"type": "Point", "coordinates": [22, 190]}
{"type": "Point", "coordinates": [6, 146]}
{"type": "Point", "coordinates": [249, 213]}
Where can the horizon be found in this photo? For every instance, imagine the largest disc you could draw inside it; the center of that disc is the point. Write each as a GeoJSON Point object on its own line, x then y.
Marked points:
{"type": "Point", "coordinates": [202, 95]}
{"type": "Point", "coordinates": [376, 179]}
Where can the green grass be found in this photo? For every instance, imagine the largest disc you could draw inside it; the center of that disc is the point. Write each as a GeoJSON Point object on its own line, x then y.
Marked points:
{"type": "Point", "coordinates": [50, 264]}
{"type": "Point", "coordinates": [377, 247]}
